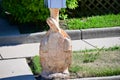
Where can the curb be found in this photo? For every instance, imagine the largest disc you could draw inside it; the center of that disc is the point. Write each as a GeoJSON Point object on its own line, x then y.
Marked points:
{"type": "Point", "coordinates": [74, 34]}
{"type": "Point", "coordinates": [100, 32]}
{"type": "Point", "coordinates": [21, 39]}
{"type": "Point", "coordinates": [100, 78]}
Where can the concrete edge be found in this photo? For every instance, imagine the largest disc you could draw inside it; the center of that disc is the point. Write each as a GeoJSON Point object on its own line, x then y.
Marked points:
{"type": "Point", "coordinates": [74, 34]}
{"type": "Point", "coordinates": [21, 39]}
{"type": "Point", "coordinates": [100, 32]}
{"type": "Point", "coordinates": [100, 78]}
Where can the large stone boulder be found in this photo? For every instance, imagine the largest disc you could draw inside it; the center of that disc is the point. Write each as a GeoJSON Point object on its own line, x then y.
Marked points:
{"type": "Point", "coordinates": [55, 52]}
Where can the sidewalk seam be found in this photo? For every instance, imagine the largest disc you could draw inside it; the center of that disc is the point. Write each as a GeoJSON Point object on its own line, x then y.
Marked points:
{"type": "Point", "coordinates": [89, 44]}
{"type": "Point", "coordinates": [15, 58]}
{"type": "Point", "coordinates": [81, 34]}
{"type": "Point", "coordinates": [1, 57]}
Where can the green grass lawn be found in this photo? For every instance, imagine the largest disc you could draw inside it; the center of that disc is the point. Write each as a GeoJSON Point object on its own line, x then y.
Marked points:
{"type": "Point", "coordinates": [95, 63]}
{"type": "Point", "coordinates": [90, 63]}
{"type": "Point", "coordinates": [102, 21]}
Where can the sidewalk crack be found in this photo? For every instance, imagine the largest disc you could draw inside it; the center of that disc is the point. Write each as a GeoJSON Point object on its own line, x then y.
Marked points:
{"type": "Point", "coordinates": [98, 49]}
{"type": "Point", "coordinates": [1, 57]}
{"type": "Point", "coordinates": [90, 44]}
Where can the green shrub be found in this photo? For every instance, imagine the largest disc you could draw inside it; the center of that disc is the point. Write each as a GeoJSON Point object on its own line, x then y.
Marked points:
{"type": "Point", "coordinates": [26, 10]}
{"type": "Point", "coordinates": [30, 10]}
{"type": "Point", "coordinates": [0, 8]}
{"type": "Point", "coordinates": [71, 4]}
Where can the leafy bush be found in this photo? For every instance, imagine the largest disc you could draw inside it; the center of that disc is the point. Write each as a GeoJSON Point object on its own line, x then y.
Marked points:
{"type": "Point", "coordinates": [30, 10]}
{"type": "Point", "coordinates": [71, 4]}
{"type": "Point", "coordinates": [0, 7]}
{"type": "Point", "coordinates": [26, 10]}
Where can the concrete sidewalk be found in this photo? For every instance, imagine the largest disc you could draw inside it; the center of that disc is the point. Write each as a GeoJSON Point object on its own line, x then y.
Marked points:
{"type": "Point", "coordinates": [32, 49]}
{"type": "Point", "coordinates": [13, 65]}
{"type": "Point", "coordinates": [19, 51]}
{"type": "Point", "coordinates": [15, 69]}
{"type": "Point", "coordinates": [95, 43]}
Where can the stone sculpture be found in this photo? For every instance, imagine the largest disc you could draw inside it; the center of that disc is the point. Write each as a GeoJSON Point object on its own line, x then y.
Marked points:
{"type": "Point", "coordinates": [55, 49]}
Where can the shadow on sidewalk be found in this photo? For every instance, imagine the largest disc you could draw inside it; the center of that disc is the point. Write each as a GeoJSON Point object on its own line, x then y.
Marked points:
{"type": "Point", "coordinates": [22, 77]}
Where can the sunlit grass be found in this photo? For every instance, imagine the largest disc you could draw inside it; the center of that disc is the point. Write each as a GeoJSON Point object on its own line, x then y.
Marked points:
{"type": "Point", "coordinates": [103, 21]}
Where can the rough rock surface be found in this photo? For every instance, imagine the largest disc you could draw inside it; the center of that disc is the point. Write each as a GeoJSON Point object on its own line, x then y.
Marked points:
{"type": "Point", "coordinates": [55, 52]}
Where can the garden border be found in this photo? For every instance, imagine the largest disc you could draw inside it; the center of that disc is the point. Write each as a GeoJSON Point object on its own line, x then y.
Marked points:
{"type": "Point", "coordinates": [74, 34]}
